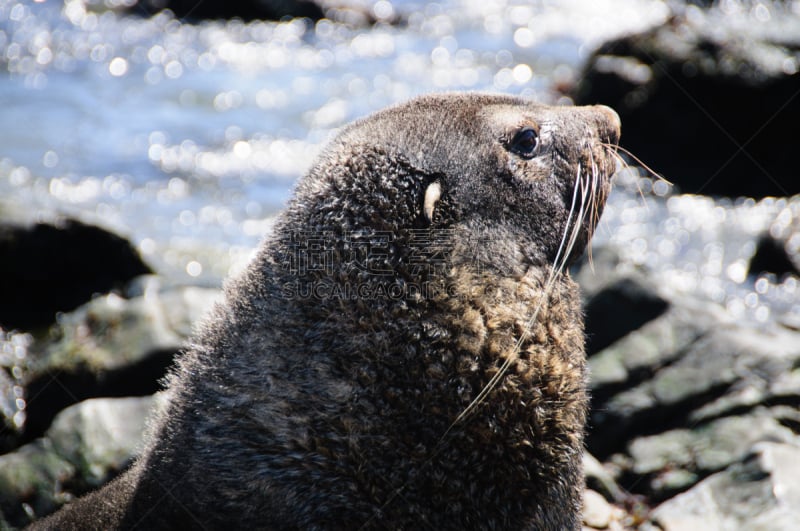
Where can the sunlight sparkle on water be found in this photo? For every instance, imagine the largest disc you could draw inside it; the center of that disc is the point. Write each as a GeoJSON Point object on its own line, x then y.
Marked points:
{"type": "Point", "coordinates": [699, 246]}
{"type": "Point", "coordinates": [190, 137]}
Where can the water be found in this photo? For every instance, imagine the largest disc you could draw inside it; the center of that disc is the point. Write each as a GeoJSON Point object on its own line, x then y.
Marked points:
{"type": "Point", "coordinates": [188, 138]}
{"type": "Point", "coordinates": [701, 247]}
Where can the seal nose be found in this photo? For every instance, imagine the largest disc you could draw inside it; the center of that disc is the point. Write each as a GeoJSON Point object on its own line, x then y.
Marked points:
{"type": "Point", "coordinates": [610, 125]}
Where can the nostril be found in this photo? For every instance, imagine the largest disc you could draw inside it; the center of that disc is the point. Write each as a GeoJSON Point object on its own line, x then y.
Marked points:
{"type": "Point", "coordinates": [610, 124]}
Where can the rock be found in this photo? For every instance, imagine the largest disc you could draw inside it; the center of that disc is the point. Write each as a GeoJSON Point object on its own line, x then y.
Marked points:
{"type": "Point", "coordinates": [618, 309]}
{"type": "Point", "coordinates": [675, 459]}
{"type": "Point", "coordinates": [353, 12]}
{"type": "Point", "coordinates": [599, 479]}
{"type": "Point", "coordinates": [728, 368]}
{"type": "Point", "coordinates": [778, 250]}
{"type": "Point", "coordinates": [771, 256]}
{"type": "Point", "coordinates": [621, 375]}
{"type": "Point", "coordinates": [597, 512]}
{"type": "Point", "coordinates": [758, 493]}
{"type": "Point", "coordinates": [244, 9]}
{"type": "Point", "coordinates": [28, 479]}
{"type": "Point", "coordinates": [606, 505]}
{"type": "Point", "coordinates": [99, 436]}
{"type": "Point", "coordinates": [682, 89]}
{"type": "Point", "coordinates": [110, 347]}
{"type": "Point", "coordinates": [605, 267]}
{"type": "Point", "coordinates": [87, 445]}
{"type": "Point", "coordinates": [47, 268]}
{"type": "Point", "coordinates": [112, 332]}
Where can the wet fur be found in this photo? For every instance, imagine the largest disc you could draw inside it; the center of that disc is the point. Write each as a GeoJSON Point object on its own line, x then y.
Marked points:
{"type": "Point", "coordinates": [295, 412]}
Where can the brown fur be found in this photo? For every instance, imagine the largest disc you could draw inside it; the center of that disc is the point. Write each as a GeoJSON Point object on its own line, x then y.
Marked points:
{"type": "Point", "coordinates": [300, 405]}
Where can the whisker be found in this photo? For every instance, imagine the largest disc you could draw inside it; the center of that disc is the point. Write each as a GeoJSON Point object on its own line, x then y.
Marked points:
{"type": "Point", "coordinates": [612, 149]}
{"type": "Point", "coordinates": [580, 217]}
{"type": "Point", "coordinates": [593, 222]}
{"type": "Point", "coordinates": [594, 213]}
{"type": "Point", "coordinates": [569, 217]}
{"type": "Point", "coordinates": [619, 158]}
{"type": "Point", "coordinates": [638, 161]}
{"type": "Point", "coordinates": [561, 256]}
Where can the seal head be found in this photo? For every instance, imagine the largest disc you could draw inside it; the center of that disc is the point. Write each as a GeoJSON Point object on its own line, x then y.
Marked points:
{"type": "Point", "coordinates": [500, 163]}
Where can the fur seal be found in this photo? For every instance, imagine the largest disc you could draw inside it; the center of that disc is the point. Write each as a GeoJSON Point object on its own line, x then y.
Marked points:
{"type": "Point", "coordinates": [406, 349]}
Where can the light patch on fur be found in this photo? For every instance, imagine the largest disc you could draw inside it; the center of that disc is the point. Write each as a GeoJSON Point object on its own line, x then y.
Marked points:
{"type": "Point", "coordinates": [432, 195]}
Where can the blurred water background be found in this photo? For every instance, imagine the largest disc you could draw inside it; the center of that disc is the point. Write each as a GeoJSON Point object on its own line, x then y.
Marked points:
{"type": "Point", "coordinates": [187, 137]}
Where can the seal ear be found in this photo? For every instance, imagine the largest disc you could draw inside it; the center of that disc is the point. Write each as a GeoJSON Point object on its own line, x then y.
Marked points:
{"type": "Point", "coordinates": [432, 194]}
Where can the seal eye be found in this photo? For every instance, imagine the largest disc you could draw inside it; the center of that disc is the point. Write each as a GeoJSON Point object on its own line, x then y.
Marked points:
{"type": "Point", "coordinates": [524, 143]}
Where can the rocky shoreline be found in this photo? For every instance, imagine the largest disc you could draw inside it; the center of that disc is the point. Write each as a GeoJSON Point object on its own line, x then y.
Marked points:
{"type": "Point", "coordinates": [695, 420]}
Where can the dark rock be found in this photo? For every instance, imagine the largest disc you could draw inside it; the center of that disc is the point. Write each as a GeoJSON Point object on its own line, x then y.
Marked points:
{"type": "Point", "coordinates": [351, 12]}
{"type": "Point", "coordinates": [778, 250]}
{"type": "Point", "coordinates": [49, 268]}
{"type": "Point", "coordinates": [602, 268]}
{"type": "Point", "coordinates": [685, 93]}
{"type": "Point", "coordinates": [637, 356]}
{"type": "Point", "coordinates": [226, 9]}
{"type": "Point", "coordinates": [618, 309]}
{"type": "Point", "coordinates": [109, 347]}
{"type": "Point", "coordinates": [771, 257]}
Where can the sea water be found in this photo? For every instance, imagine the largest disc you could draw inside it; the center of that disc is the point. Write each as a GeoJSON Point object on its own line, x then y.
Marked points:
{"type": "Point", "coordinates": [187, 138]}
